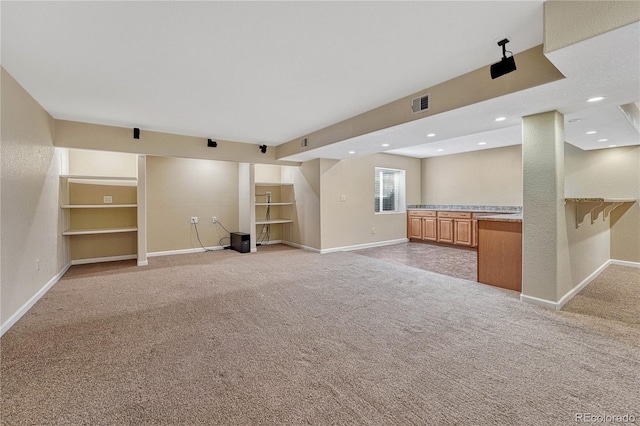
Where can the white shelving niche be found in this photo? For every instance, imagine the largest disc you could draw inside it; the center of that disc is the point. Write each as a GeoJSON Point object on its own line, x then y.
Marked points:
{"type": "Point", "coordinates": [100, 217]}
{"type": "Point", "coordinates": [273, 211]}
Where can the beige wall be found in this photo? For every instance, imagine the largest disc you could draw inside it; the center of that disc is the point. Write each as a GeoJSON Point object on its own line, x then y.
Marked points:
{"type": "Point", "coordinates": [179, 188]}
{"type": "Point", "coordinates": [609, 173]}
{"type": "Point", "coordinates": [488, 177]}
{"type": "Point", "coordinates": [568, 22]}
{"type": "Point", "coordinates": [102, 163]}
{"type": "Point", "coordinates": [306, 213]}
{"type": "Point", "coordinates": [351, 222]}
{"type": "Point", "coordinates": [31, 222]}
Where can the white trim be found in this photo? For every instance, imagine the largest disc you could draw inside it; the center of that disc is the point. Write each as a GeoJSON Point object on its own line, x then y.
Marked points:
{"type": "Point", "coordinates": [103, 259]}
{"type": "Point", "coordinates": [24, 308]}
{"type": "Point", "coordinates": [268, 243]}
{"type": "Point", "coordinates": [182, 251]}
{"type": "Point", "coordinates": [569, 295]}
{"type": "Point", "coordinates": [366, 245]}
{"type": "Point", "coordinates": [143, 262]}
{"type": "Point", "coordinates": [539, 302]}
{"type": "Point", "coordinates": [625, 263]}
{"type": "Point", "coordinates": [582, 285]}
{"type": "Point", "coordinates": [300, 246]}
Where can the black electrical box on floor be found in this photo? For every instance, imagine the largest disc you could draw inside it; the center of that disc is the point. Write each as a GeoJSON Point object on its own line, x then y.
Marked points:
{"type": "Point", "coordinates": [241, 242]}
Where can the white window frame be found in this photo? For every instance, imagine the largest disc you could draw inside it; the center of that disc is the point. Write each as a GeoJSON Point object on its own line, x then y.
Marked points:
{"type": "Point", "coordinates": [400, 189]}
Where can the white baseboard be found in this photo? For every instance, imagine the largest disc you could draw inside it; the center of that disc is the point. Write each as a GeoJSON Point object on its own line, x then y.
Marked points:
{"type": "Point", "coordinates": [143, 262]}
{"type": "Point", "coordinates": [300, 246]}
{"type": "Point", "coordinates": [571, 293]}
{"type": "Point", "coordinates": [103, 259]}
{"type": "Point", "coordinates": [539, 302]}
{"type": "Point", "coordinates": [268, 243]}
{"type": "Point", "coordinates": [182, 251]}
{"type": "Point", "coordinates": [625, 263]}
{"type": "Point", "coordinates": [366, 245]}
{"type": "Point", "coordinates": [24, 308]}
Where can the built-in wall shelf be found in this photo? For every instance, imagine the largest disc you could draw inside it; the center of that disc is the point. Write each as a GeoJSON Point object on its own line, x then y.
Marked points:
{"type": "Point", "coordinates": [593, 206]}
{"type": "Point", "coordinates": [100, 231]}
{"type": "Point", "coordinates": [98, 206]}
{"type": "Point", "coordinates": [273, 184]}
{"type": "Point", "coordinates": [274, 204]}
{"type": "Point", "coordinates": [273, 221]}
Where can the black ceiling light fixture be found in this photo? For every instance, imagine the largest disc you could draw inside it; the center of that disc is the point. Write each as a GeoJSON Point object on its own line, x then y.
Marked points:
{"type": "Point", "coordinates": [211, 143]}
{"type": "Point", "coordinates": [136, 133]}
{"type": "Point", "coordinates": [263, 148]}
{"type": "Point", "coordinates": [506, 65]}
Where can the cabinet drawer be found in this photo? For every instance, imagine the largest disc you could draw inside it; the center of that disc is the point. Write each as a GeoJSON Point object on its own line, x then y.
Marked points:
{"type": "Point", "coordinates": [422, 213]}
{"type": "Point", "coordinates": [455, 215]}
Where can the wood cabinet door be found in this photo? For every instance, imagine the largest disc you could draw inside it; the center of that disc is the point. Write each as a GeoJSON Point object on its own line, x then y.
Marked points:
{"type": "Point", "coordinates": [463, 232]}
{"type": "Point", "coordinates": [415, 227]}
{"type": "Point", "coordinates": [430, 229]}
{"type": "Point", "coordinates": [445, 230]}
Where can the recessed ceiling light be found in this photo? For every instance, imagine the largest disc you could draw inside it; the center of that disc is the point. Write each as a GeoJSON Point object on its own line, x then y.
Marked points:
{"type": "Point", "coordinates": [602, 140]}
{"type": "Point", "coordinates": [352, 152]}
{"type": "Point", "coordinates": [500, 118]}
{"type": "Point", "coordinates": [430, 135]}
{"type": "Point", "coordinates": [440, 150]}
{"type": "Point", "coordinates": [482, 143]}
{"type": "Point", "coordinates": [595, 99]}
{"type": "Point", "coordinates": [385, 144]}
{"type": "Point", "coordinates": [591, 132]}
{"type": "Point", "coordinates": [612, 146]}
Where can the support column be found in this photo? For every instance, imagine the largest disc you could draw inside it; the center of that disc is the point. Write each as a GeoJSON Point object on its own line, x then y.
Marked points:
{"type": "Point", "coordinates": [544, 239]}
{"type": "Point", "coordinates": [247, 201]}
{"type": "Point", "coordinates": [142, 210]}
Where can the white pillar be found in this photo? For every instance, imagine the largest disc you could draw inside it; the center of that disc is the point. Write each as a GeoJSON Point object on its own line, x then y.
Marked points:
{"type": "Point", "coordinates": [247, 201]}
{"type": "Point", "coordinates": [544, 239]}
{"type": "Point", "coordinates": [142, 210]}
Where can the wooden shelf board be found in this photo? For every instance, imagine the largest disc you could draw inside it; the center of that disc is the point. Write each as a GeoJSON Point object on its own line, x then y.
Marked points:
{"type": "Point", "coordinates": [93, 231]}
{"type": "Point", "coordinates": [98, 206]}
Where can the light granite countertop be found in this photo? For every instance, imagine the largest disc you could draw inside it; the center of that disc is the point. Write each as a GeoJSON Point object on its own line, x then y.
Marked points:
{"type": "Point", "coordinates": [502, 217]}
{"type": "Point", "coordinates": [466, 208]}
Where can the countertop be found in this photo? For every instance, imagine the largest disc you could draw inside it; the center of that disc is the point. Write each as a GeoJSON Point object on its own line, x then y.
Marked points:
{"type": "Point", "coordinates": [467, 208]}
{"type": "Point", "coordinates": [502, 217]}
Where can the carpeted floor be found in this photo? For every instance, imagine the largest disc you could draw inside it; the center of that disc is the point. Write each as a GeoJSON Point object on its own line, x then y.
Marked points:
{"type": "Point", "coordinates": [302, 338]}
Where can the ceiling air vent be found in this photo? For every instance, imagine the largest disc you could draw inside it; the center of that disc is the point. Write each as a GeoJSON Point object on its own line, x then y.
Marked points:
{"type": "Point", "coordinates": [304, 142]}
{"type": "Point", "coordinates": [420, 104]}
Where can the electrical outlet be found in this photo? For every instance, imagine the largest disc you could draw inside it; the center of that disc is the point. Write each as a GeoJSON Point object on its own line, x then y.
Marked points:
{"type": "Point", "coordinates": [194, 219]}
{"type": "Point", "coordinates": [373, 231]}
{"type": "Point", "coordinates": [214, 219]}
{"type": "Point", "coordinates": [343, 198]}
{"type": "Point", "coordinates": [38, 264]}
{"type": "Point", "coordinates": [107, 199]}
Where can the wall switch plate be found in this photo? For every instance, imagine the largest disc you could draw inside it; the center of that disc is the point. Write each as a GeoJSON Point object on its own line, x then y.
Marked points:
{"type": "Point", "coordinates": [107, 199]}
{"type": "Point", "coordinates": [194, 219]}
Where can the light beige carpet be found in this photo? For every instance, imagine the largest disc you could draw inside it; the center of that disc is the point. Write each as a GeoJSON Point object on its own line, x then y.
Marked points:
{"type": "Point", "coordinates": [300, 338]}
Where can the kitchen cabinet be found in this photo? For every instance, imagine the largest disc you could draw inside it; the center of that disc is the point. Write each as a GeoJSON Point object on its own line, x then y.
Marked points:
{"type": "Point", "coordinates": [421, 225]}
{"type": "Point", "coordinates": [445, 230]}
{"type": "Point", "coordinates": [448, 227]}
{"type": "Point", "coordinates": [430, 228]}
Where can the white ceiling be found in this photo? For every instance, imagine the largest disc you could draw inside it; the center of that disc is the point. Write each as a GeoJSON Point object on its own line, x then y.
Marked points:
{"type": "Point", "coordinates": [269, 72]}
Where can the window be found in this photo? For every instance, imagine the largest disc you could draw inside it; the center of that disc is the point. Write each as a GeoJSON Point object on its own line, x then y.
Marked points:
{"type": "Point", "coordinates": [389, 190]}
